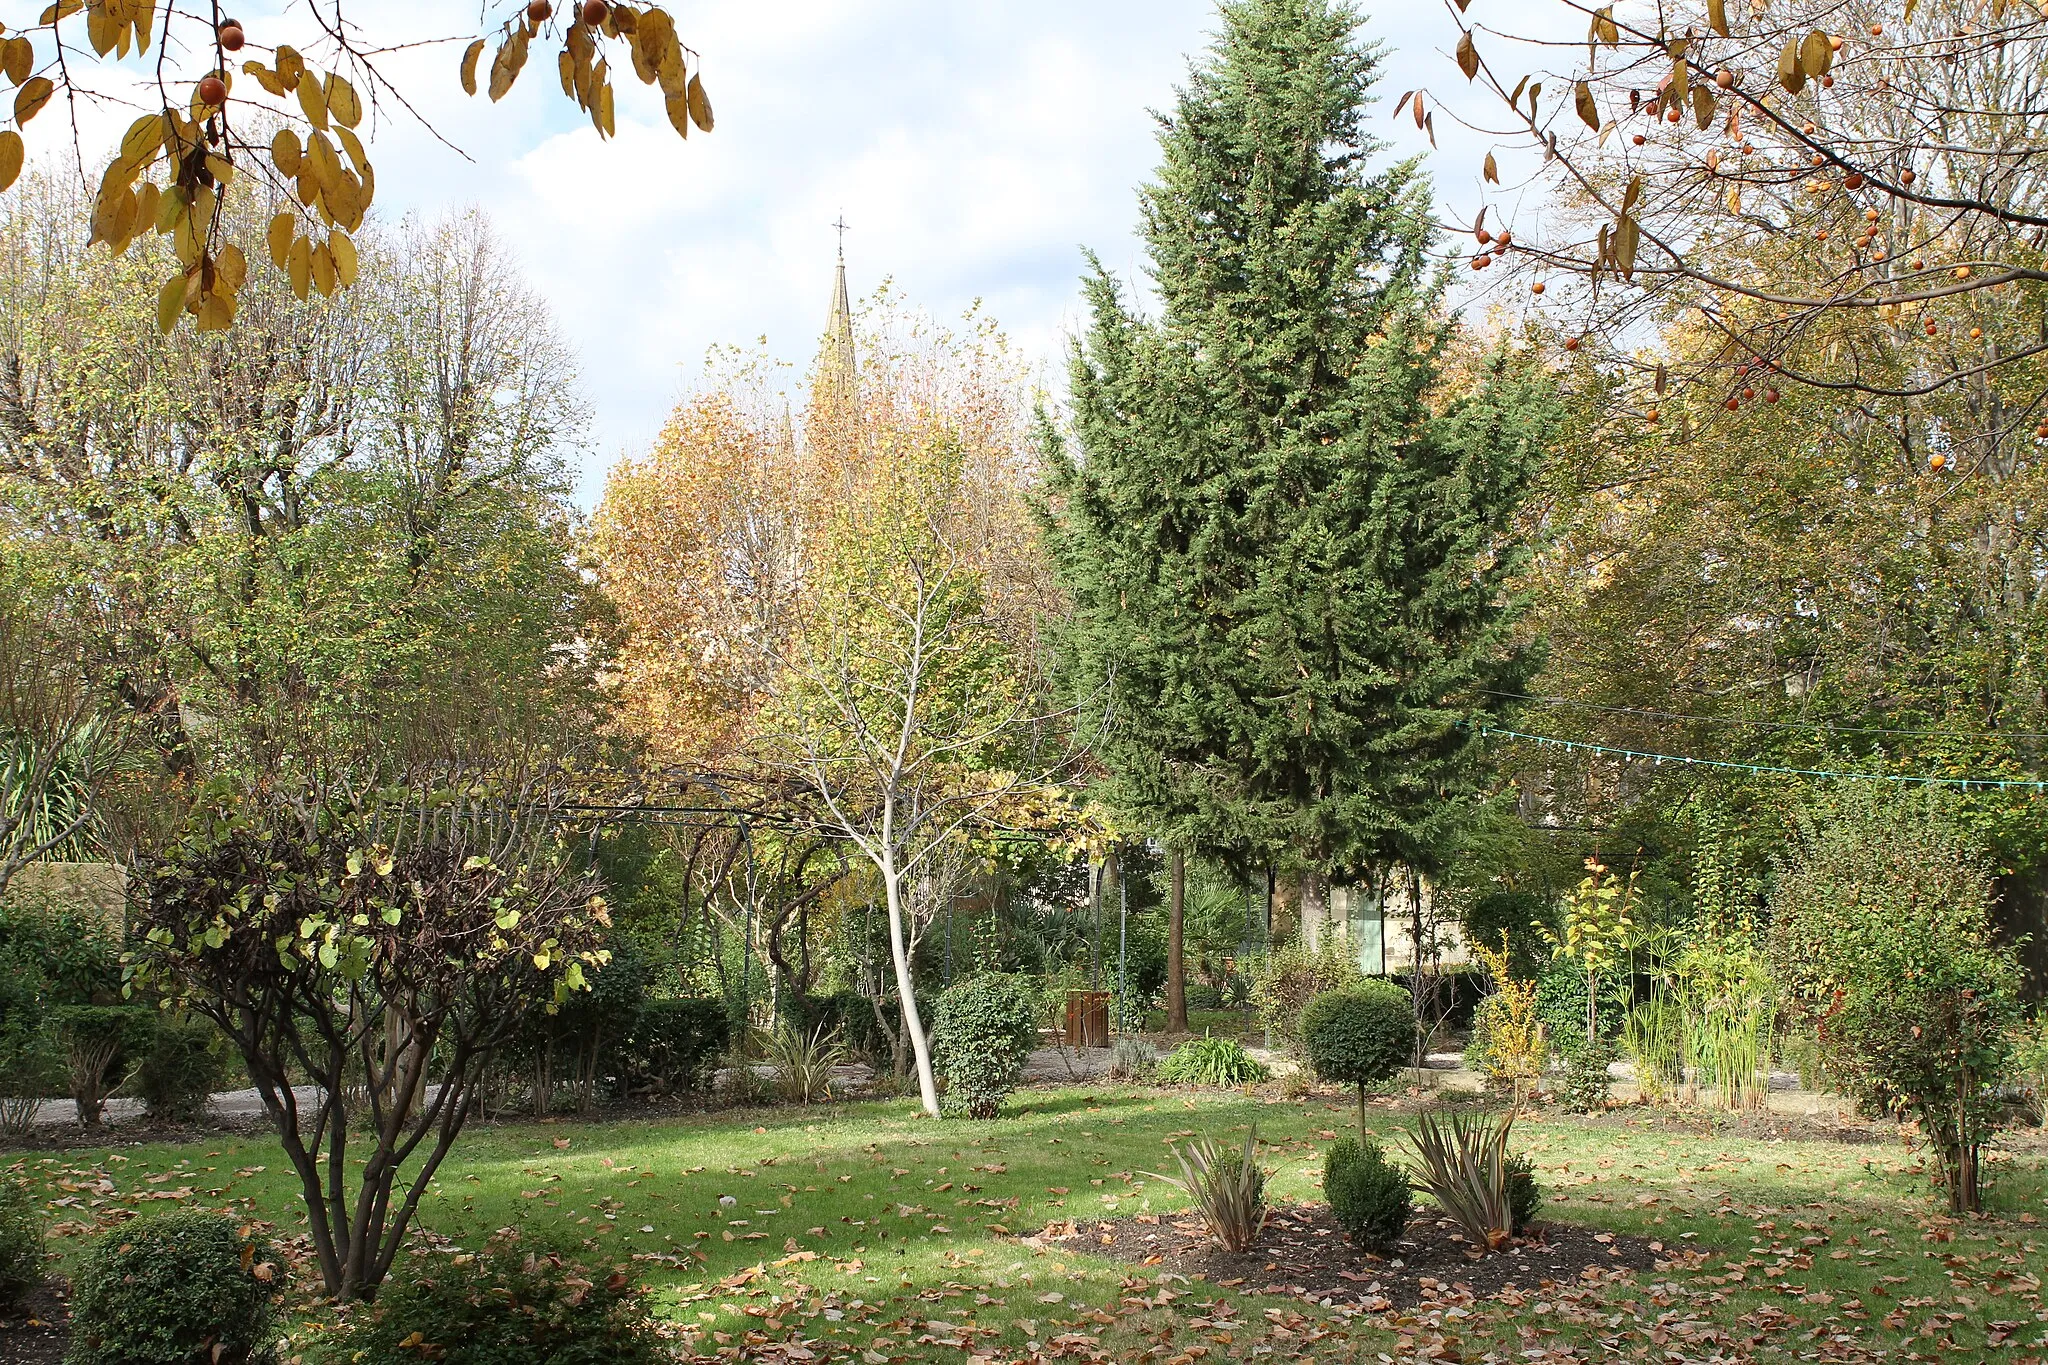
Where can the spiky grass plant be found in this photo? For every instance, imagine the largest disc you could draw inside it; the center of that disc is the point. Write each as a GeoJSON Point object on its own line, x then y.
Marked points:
{"type": "Point", "coordinates": [1462, 1159]}
{"type": "Point", "coordinates": [1227, 1186]}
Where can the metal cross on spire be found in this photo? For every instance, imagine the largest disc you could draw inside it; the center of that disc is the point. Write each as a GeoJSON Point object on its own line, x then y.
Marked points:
{"type": "Point", "coordinates": [842, 227]}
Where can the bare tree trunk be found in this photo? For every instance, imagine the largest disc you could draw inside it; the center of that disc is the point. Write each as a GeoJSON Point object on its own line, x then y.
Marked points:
{"type": "Point", "coordinates": [1176, 959]}
{"type": "Point", "coordinates": [899, 952]}
{"type": "Point", "coordinates": [1313, 906]}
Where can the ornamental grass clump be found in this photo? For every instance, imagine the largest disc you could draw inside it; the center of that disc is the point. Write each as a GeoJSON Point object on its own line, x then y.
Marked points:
{"type": "Point", "coordinates": [1228, 1188]}
{"type": "Point", "coordinates": [1220, 1062]}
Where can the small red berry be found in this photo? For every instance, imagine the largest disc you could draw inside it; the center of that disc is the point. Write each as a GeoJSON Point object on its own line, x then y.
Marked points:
{"type": "Point", "coordinates": [539, 10]}
{"type": "Point", "coordinates": [213, 91]}
{"type": "Point", "coordinates": [231, 36]}
{"type": "Point", "coordinates": [594, 12]}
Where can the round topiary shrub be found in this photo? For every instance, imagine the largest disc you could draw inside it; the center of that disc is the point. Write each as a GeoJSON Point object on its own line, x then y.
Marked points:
{"type": "Point", "coordinates": [1368, 1194]}
{"type": "Point", "coordinates": [986, 1027]}
{"type": "Point", "coordinates": [183, 1287]}
{"type": "Point", "coordinates": [21, 1242]}
{"type": "Point", "coordinates": [1359, 1036]}
{"type": "Point", "coordinates": [510, 1304]}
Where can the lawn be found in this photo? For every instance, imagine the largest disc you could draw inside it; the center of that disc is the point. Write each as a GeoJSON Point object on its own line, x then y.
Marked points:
{"type": "Point", "coordinates": [865, 1233]}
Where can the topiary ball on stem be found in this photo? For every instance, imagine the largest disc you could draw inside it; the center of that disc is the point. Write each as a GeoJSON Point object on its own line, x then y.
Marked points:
{"type": "Point", "coordinates": [1359, 1036]}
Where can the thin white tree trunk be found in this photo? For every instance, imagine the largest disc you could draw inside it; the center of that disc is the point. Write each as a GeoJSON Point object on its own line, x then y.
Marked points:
{"type": "Point", "coordinates": [899, 952]}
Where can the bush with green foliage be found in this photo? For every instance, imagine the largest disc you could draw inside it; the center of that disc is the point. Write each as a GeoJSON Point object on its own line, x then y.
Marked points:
{"type": "Point", "coordinates": [675, 1044]}
{"type": "Point", "coordinates": [1525, 1195]}
{"type": "Point", "coordinates": [1369, 1195]}
{"type": "Point", "coordinates": [21, 1242]}
{"type": "Point", "coordinates": [1211, 1061]}
{"type": "Point", "coordinates": [185, 1062]}
{"type": "Point", "coordinates": [986, 1027]}
{"type": "Point", "coordinates": [2030, 1060]}
{"type": "Point", "coordinates": [1294, 976]}
{"type": "Point", "coordinates": [1360, 1036]}
{"type": "Point", "coordinates": [1585, 1081]}
{"type": "Point", "coordinates": [185, 1286]}
{"type": "Point", "coordinates": [101, 1045]}
{"type": "Point", "coordinates": [1522, 916]}
{"type": "Point", "coordinates": [851, 1017]}
{"type": "Point", "coordinates": [510, 1304]}
{"type": "Point", "coordinates": [1881, 942]}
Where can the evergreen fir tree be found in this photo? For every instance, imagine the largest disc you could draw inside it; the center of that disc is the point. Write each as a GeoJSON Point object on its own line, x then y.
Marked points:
{"type": "Point", "coordinates": [1289, 555]}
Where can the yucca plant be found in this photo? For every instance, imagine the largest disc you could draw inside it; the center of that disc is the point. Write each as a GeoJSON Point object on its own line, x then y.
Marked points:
{"type": "Point", "coordinates": [1462, 1160]}
{"type": "Point", "coordinates": [1227, 1186]}
{"type": "Point", "coordinates": [803, 1063]}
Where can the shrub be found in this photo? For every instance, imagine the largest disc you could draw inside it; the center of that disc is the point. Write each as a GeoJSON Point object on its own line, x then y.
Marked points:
{"type": "Point", "coordinates": [1369, 1196]}
{"type": "Point", "coordinates": [21, 1242]}
{"type": "Point", "coordinates": [1132, 1059]}
{"type": "Point", "coordinates": [1524, 1194]}
{"type": "Point", "coordinates": [31, 1068]}
{"type": "Point", "coordinates": [508, 1304]}
{"type": "Point", "coordinates": [1293, 977]}
{"type": "Point", "coordinates": [182, 1287]}
{"type": "Point", "coordinates": [1211, 1061]}
{"type": "Point", "coordinates": [1508, 1045]}
{"type": "Point", "coordinates": [675, 1044]}
{"type": "Point", "coordinates": [1585, 1074]}
{"type": "Point", "coordinates": [1359, 1036]}
{"type": "Point", "coordinates": [1462, 1160]}
{"type": "Point", "coordinates": [1202, 996]}
{"type": "Point", "coordinates": [183, 1065]}
{"type": "Point", "coordinates": [1228, 1187]}
{"type": "Point", "coordinates": [1881, 941]}
{"type": "Point", "coordinates": [851, 1016]}
{"type": "Point", "coordinates": [100, 1045]}
{"type": "Point", "coordinates": [986, 1027]}
{"type": "Point", "coordinates": [2030, 1059]}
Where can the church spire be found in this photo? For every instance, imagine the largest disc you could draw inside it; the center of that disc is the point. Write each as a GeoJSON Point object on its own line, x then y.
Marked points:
{"type": "Point", "coordinates": [837, 365]}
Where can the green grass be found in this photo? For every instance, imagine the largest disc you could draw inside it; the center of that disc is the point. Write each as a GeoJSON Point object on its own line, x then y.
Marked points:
{"type": "Point", "coordinates": [858, 1228]}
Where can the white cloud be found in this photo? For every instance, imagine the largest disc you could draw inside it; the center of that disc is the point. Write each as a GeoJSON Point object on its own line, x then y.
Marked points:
{"type": "Point", "coordinates": [975, 147]}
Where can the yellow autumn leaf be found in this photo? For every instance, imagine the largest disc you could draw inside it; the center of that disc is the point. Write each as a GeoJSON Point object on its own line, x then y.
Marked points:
{"type": "Point", "coordinates": [469, 56]}
{"type": "Point", "coordinates": [170, 301]}
{"type": "Point", "coordinates": [343, 104]}
{"type": "Point", "coordinates": [232, 268]}
{"type": "Point", "coordinates": [700, 105]}
{"type": "Point", "coordinates": [30, 99]}
{"type": "Point", "coordinates": [11, 154]}
{"type": "Point", "coordinates": [299, 266]}
{"type": "Point", "coordinates": [280, 238]}
{"type": "Point", "coordinates": [313, 103]}
{"type": "Point", "coordinates": [285, 152]}
{"type": "Point", "coordinates": [343, 250]}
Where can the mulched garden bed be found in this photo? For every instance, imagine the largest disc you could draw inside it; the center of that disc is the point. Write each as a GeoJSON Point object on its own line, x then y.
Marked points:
{"type": "Point", "coordinates": [1304, 1252]}
{"type": "Point", "coordinates": [36, 1332]}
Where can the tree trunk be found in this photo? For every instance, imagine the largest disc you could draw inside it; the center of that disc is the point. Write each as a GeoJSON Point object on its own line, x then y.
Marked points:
{"type": "Point", "coordinates": [1176, 959]}
{"type": "Point", "coordinates": [913, 1023]}
{"type": "Point", "coordinates": [1313, 905]}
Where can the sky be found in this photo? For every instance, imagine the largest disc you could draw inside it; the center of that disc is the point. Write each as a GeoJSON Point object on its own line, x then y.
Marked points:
{"type": "Point", "coordinates": [975, 147]}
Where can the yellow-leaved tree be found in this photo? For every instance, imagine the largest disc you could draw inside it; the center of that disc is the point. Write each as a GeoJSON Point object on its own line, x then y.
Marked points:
{"type": "Point", "coordinates": [840, 618]}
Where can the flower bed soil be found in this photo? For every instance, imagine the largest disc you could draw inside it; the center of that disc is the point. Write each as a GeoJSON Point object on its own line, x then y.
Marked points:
{"type": "Point", "coordinates": [1303, 1252]}
{"type": "Point", "coordinates": [36, 1331]}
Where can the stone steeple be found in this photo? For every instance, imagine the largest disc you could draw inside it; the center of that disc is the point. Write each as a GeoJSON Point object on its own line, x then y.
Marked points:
{"type": "Point", "coordinates": [838, 382]}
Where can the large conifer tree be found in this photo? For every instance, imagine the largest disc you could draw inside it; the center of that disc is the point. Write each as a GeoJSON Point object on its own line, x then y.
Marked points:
{"type": "Point", "coordinates": [1289, 550]}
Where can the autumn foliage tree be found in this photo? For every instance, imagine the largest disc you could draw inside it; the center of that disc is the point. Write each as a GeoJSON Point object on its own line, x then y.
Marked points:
{"type": "Point", "coordinates": [381, 935]}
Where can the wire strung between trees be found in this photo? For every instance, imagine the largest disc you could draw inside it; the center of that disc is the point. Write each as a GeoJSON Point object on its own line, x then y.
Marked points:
{"type": "Point", "coordinates": [1902, 779]}
{"type": "Point", "coordinates": [1765, 724]}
